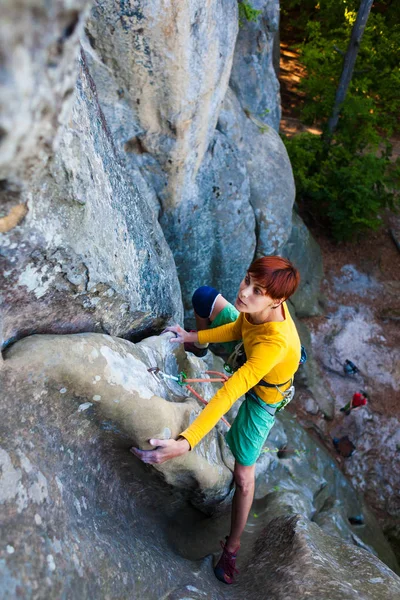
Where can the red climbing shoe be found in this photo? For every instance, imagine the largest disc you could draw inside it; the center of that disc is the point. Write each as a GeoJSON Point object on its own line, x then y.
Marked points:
{"type": "Point", "coordinates": [225, 569]}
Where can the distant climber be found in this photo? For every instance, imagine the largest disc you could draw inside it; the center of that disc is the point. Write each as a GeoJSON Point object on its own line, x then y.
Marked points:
{"type": "Point", "coordinates": [350, 368]}
{"type": "Point", "coordinates": [260, 317]}
{"type": "Point", "coordinates": [358, 400]}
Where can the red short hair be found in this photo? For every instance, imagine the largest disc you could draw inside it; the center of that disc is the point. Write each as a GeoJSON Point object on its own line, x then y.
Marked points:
{"type": "Point", "coordinates": [277, 275]}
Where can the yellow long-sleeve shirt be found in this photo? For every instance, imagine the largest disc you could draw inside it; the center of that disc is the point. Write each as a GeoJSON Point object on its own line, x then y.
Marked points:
{"type": "Point", "coordinates": [273, 353]}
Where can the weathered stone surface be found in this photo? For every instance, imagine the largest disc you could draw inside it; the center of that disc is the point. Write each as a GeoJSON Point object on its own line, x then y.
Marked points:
{"type": "Point", "coordinates": [162, 107]}
{"type": "Point", "coordinates": [308, 482]}
{"type": "Point", "coordinates": [38, 47]}
{"type": "Point", "coordinates": [310, 375]}
{"type": "Point", "coordinates": [212, 235]}
{"type": "Point", "coordinates": [90, 255]}
{"type": "Point", "coordinates": [304, 252]}
{"type": "Point", "coordinates": [171, 65]}
{"type": "Point", "coordinates": [73, 406]}
{"type": "Point", "coordinates": [253, 76]}
{"type": "Point", "coordinates": [81, 518]}
{"type": "Point", "coordinates": [112, 376]}
{"type": "Point", "coordinates": [264, 156]}
{"type": "Point", "coordinates": [303, 562]}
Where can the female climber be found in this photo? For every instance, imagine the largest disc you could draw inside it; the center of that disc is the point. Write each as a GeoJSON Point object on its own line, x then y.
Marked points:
{"type": "Point", "coordinates": [261, 319]}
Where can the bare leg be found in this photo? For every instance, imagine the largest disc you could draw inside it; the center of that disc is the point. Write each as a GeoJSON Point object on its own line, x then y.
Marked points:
{"type": "Point", "coordinates": [242, 501]}
{"type": "Point", "coordinates": [204, 323]}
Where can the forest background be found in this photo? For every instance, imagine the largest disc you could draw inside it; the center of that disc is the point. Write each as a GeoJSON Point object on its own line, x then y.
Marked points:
{"type": "Point", "coordinates": [345, 181]}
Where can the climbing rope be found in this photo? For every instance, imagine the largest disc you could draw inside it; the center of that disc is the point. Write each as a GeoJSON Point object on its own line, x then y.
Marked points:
{"type": "Point", "coordinates": [183, 380]}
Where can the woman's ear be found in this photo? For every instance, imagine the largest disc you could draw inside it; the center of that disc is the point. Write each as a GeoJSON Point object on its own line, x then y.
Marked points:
{"type": "Point", "coordinates": [278, 303]}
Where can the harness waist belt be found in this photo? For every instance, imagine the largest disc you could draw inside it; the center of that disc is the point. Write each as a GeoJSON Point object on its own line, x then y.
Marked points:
{"type": "Point", "coordinates": [272, 385]}
{"type": "Point", "coordinates": [270, 409]}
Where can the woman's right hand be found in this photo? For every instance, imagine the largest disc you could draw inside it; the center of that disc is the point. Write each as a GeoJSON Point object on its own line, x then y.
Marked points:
{"type": "Point", "coordinates": [164, 450]}
{"type": "Point", "coordinates": [182, 336]}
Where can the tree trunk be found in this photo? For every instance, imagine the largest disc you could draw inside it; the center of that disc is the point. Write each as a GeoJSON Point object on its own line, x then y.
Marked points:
{"type": "Point", "coordinates": [348, 63]}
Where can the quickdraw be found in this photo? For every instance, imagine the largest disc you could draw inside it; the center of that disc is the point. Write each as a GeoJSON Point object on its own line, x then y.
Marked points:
{"type": "Point", "coordinates": [182, 380]}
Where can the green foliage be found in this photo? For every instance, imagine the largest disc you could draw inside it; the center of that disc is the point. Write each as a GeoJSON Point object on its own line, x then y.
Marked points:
{"type": "Point", "coordinates": [372, 101]}
{"type": "Point", "coordinates": [247, 13]}
{"type": "Point", "coordinates": [348, 183]}
{"type": "Point", "coordinates": [345, 190]}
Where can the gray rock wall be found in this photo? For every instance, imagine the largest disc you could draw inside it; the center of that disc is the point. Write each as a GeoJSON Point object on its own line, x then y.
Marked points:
{"type": "Point", "coordinates": [92, 170]}
{"type": "Point", "coordinates": [39, 44]}
{"type": "Point", "coordinates": [84, 518]}
{"type": "Point", "coordinates": [89, 254]}
{"type": "Point", "coordinates": [253, 77]}
{"type": "Point", "coordinates": [170, 65]}
{"type": "Point", "coordinates": [265, 159]}
{"type": "Point", "coordinates": [304, 252]}
{"type": "Point", "coordinates": [161, 90]}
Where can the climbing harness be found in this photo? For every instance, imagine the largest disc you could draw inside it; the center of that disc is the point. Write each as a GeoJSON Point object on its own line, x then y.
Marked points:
{"type": "Point", "coordinates": [183, 380]}
{"type": "Point", "coordinates": [287, 395]}
{"type": "Point", "coordinates": [237, 360]}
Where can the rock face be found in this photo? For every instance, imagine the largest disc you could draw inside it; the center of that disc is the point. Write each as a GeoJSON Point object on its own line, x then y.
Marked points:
{"type": "Point", "coordinates": [94, 521]}
{"type": "Point", "coordinates": [308, 566]}
{"type": "Point", "coordinates": [90, 254]}
{"type": "Point", "coordinates": [162, 108]}
{"type": "Point", "coordinates": [133, 143]}
{"type": "Point", "coordinates": [253, 76]}
{"type": "Point", "coordinates": [223, 215]}
{"type": "Point", "coordinates": [304, 252]}
{"type": "Point", "coordinates": [265, 158]}
{"type": "Point", "coordinates": [162, 75]}
{"type": "Point", "coordinates": [82, 518]}
{"type": "Point", "coordinates": [39, 47]}
{"type": "Point", "coordinates": [112, 376]}
{"type": "Point", "coordinates": [170, 66]}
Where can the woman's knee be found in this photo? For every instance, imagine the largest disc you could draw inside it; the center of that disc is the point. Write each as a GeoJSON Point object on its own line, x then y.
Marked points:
{"type": "Point", "coordinates": [203, 300]}
{"type": "Point", "coordinates": [244, 478]}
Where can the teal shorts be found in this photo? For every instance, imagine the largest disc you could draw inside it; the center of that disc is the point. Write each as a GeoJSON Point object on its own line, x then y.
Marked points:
{"type": "Point", "coordinates": [228, 314]}
{"type": "Point", "coordinates": [250, 430]}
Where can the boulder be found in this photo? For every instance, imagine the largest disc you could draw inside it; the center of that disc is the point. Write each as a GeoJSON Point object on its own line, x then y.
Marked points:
{"type": "Point", "coordinates": [111, 380]}
{"type": "Point", "coordinates": [81, 517]}
{"type": "Point", "coordinates": [302, 561]}
{"type": "Point", "coordinates": [84, 517]}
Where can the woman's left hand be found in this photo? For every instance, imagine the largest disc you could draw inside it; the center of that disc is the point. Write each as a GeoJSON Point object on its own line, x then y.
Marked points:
{"type": "Point", "coordinates": [182, 336]}
{"type": "Point", "coordinates": [165, 450]}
